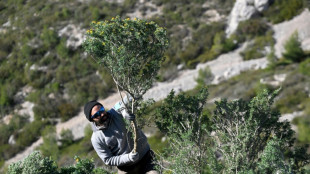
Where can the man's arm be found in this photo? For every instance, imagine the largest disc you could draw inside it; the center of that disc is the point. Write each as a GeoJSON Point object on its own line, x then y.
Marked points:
{"type": "Point", "coordinates": [120, 108]}
{"type": "Point", "coordinates": [107, 157]}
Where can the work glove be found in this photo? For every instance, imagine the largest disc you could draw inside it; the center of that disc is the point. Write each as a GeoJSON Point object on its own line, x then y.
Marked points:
{"type": "Point", "coordinates": [128, 116]}
{"type": "Point", "coordinates": [120, 105]}
{"type": "Point", "coordinates": [133, 156]}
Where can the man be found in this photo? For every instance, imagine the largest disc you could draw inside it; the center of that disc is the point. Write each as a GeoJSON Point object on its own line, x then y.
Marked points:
{"type": "Point", "coordinates": [113, 143]}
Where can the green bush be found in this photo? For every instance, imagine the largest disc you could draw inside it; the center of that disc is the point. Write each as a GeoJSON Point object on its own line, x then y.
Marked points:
{"type": "Point", "coordinates": [35, 163]}
{"type": "Point", "coordinates": [293, 51]}
{"type": "Point", "coordinates": [200, 48]}
{"type": "Point", "coordinates": [245, 136]}
{"type": "Point", "coordinates": [16, 123]}
{"type": "Point", "coordinates": [182, 120]}
{"type": "Point", "coordinates": [66, 111]}
{"type": "Point", "coordinates": [304, 67]}
{"type": "Point", "coordinates": [281, 10]}
{"type": "Point", "coordinates": [30, 133]}
{"type": "Point", "coordinates": [49, 146]}
{"type": "Point", "coordinates": [49, 37]}
{"type": "Point", "coordinates": [62, 50]}
{"type": "Point", "coordinates": [83, 90]}
{"type": "Point", "coordinates": [66, 137]}
{"type": "Point", "coordinates": [272, 158]}
{"type": "Point", "coordinates": [302, 124]}
{"type": "Point", "coordinates": [46, 108]}
{"type": "Point", "coordinates": [6, 98]}
{"type": "Point", "coordinates": [204, 78]}
{"type": "Point", "coordinates": [251, 28]}
{"type": "Point", "coordinates": [158, 142]}
{"type": "Point", "coordinates": [291, 101]}
{"type": "Point", "coordinates": [5, 132]}
{"type": "Point", "coordinates": [256, 49]}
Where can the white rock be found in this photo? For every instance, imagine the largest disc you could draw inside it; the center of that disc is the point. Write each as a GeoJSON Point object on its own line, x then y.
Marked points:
{"type": "Point", "coordinates": [279, 77]}
{"type": "Point", "coordinates": [261, 5]}
{"type": "Point", "coordinates": [34, 67]}
{"type": "Point", "coordinates": [74, 34]}
{"type": "Point", "coordinates": [7, 24]}
{"type": "Point", "coordinates": [241, 11]}
{"type": "Point", "coordinates": [213, 15]}
{"type": "Point", "coordinates": [244, 10]}
{"type": "Point", "coordinates": [6, 120]}
{"type": "Point", "coordinates": [277, 80]}
{"type": "Point", "coordinates": [12, 140]}
{"type": "Point", "coordinates": [290, 116]}
{"type": "Point", "coordinates": [27, 109]}
{"type": "Point", "coordinates": [151, 10]}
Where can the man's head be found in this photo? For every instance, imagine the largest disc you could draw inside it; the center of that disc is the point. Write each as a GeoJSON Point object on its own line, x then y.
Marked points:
{"type": "Point", "coordinates": [95, 112]}
{"type": "Point", "coordinates": [88, 108]}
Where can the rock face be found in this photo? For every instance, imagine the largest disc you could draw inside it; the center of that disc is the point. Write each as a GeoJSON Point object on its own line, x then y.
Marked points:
{"type": "Point", "coordinates": [74, 34]}
{"type": "Point", "coordinates": [244, 10]}
{"type": "Point", "coordinates": [261, 5]}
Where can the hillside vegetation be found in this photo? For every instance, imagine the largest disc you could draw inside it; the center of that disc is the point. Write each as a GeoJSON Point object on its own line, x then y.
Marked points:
{"type": "Point", "coordinates": [42, 62]}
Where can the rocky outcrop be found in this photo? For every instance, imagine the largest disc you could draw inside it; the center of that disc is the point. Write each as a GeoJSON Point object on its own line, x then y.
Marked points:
{"type": "Point", "coordinates": [74, 34]}
{"type": "Point", "coordinates": [244, 10]}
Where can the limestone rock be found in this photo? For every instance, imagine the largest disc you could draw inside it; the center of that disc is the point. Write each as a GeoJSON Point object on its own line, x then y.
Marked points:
{"type": "Point", "coordinates": [75, 35]}
{"type": "Point", "coordinates": [261, 5]}
{"type": "Point", "coordinates": [12, 140]}
{"type": "Point", "coordinates": [244, 10]}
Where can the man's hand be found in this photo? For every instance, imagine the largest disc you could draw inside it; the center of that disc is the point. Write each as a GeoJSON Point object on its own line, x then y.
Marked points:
{"type": "Point", "coordinates": [133, 156]}
{"type": "Point", "coordinates": [127, 115]}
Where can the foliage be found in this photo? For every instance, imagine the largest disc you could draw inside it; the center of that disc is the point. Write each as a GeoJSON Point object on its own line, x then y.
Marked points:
{"type": "Point", "coordinates": [158, 142]}
{"type": "Point", "coordinates": [293, 50]}
{"type": "Point", "coordinates": [7, 150]}
{"type": "Point", "coordinates": [305, 66]}
{"type": "Point", "coordinates": [295, 95]}
{"type": "Point", "coordinates": [130, 49]}
{"type": "Point", "coordinates": [303, 128]}
{"type": "Point", "coordinates": [292, 100]}
{"type": "Point", "coordinates": [49, 37]}
{"type": "Point", "coordinates": [179, 114]}
{"type": "Point", "coordinates": [182, 119]}
{"type": "Point", "coordinates": [68, 75]}
{"type": "Point", "coordinates": [66, 137]}
{"type": "Point", "coordinates": [272, 158]}
{"type": "Point", "coordinates": [213, 44]}
{"type": "Point", "coordinates": [257, 49]}
{"type": "Point", "coordinates": [247, 138]}
{"type": "Point", "coordinates": [35, 163]}
{"type": "Point", "coordinates": [282, 10]}
{"type": "Point", "coordinates": [251, 28]}
{"type": "Point", "coordinates": [30, 133]}
{"type": "Point", "coordinates": [49, 146]}
{"type": "Point", "coordinates": [243, 130]}
{"type": "Point", "coordinates": [204, 78]}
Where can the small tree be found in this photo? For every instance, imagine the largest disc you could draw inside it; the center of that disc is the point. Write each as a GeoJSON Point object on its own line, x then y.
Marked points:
{"type": "Point", "coordinates": [246, 137]}
{"type": "Point", "coordinates": [182, 119]}
{"type": "Point", "coordinates": [131, 50]}
{"type": "Point", "coordinates": [293, 50]}
{"type": "Point", "coordinates": [49, 146]}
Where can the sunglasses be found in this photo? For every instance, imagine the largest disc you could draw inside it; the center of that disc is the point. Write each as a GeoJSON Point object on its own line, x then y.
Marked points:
{"type": "Point", "coordinates": [98, 113]}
